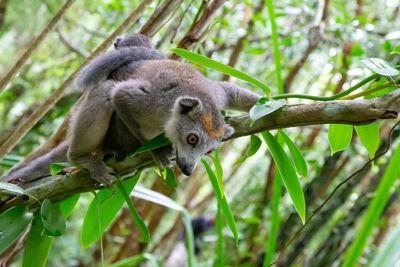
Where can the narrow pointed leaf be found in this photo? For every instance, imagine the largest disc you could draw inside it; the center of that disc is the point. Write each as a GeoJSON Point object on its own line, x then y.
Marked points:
{"type": "Point", "coordinates": [226, 210]}
{"type": "Point", "coordinates": [37, 245]}
{"type": "Point", "coordinates": [131, 261]}
{"type": "Point", "coordinates": [66, 206]}
{"type": "Point", "coordinates": [158, 141]}
{"type": "Point", "coordinates": [52, 218]}
{"type": "Point", "coordinates": [380, 66]}
{"type": "Point", "coordinates": [288, 174]}
{"type": "Point", "coordinates": [339, 136]}
{"type": "Point", "coordinates": [155, 197]}
{"type": "Point", "coordinates": [255, 144]}
{"type": "Point", "coordinates": [369, 137]}
{"type": "Point", "coordinates": [374, 210]}
{"type": "Point", "coordinates": [110, 203]}
{"type": "Point", "coordinates": [56, 168]}
{"type": "Point", "coordinates": [15, 189]}
{"type": "Point", "coordinates": [144, 232]}
{"type": "Point", "coordinates": [298, 159]}
{"type": "Point", "coordinates": [12, 223]}
{"type": "Point", "coordinates": [220, 241]}
{"type": "Point", "coordinates": [219, 171]}
{"type": "Point", "coordinates": [212, 64]}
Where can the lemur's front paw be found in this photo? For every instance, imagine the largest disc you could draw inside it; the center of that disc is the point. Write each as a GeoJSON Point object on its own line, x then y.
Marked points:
{"type": "Point", "coordinates": [104, 175]}
{"type": "Point", "coordinates": [163, 157]}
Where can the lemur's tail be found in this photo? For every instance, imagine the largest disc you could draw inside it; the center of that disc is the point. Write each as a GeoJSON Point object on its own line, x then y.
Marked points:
{"type": "Point", "coordinates": [39, 167]}
{"type": "Point", "coordinates": [100, 68]}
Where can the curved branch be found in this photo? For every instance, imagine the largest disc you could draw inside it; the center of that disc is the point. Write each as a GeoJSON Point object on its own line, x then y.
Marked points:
{"type": "Point", "coordinates": [353, 112]}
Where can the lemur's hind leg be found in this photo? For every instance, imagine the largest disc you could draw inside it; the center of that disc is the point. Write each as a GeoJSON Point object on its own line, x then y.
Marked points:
{"type": "Point", "coordinates": [89, 128]}
{"type": "Point", "coordinates": [39, 167]}
{"type": "Point", "coordinates": [129, 98]}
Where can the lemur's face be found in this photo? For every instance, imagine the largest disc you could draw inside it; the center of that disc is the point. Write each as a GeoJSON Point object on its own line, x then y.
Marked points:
{"type": "Point", "coordinates": [194, 132]}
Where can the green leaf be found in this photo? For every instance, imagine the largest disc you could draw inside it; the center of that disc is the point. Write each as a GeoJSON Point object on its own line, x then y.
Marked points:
{"type": "Point", "coordinates": [12, 223]}
{"type": "Point", "coordinates": [264, 107]}
{"type": "Point", "coordinates": [169, 177]}
{"type": "Point", "coordinates": [158, 141]}
{"type": "Point", "coordinates": [339, 136]}
{"type": "Point", "coordinates": [396, 50]}
{"type": "Point", "coordinates": [356, 50]}
{"type": "Point", "coordinates": [219, 171]}
{"type": "Point", "coordinates": [374, 210]}
{"type": "Point", "coordinates": [388, 253]}
{"type": "Point", "coordinates": [380, 66]}
{"type": "Point", "coordinates": [275, 220]}
{"type": "Point", "coordinates": [220, 241]}
{"type": "Point", "coordinates": [155, 197]}
{"type": "Point", "coordinates": [288, 174]}
{"type": "Point", "coordinates": [66, 206]}
{"type": "Point", "coordinates": [212, 64]}
{"type": "Point", "coordinates": [369, 137]}
{"type": "Point", "coordinates": [111, 203]}
{"type": "Point", "coordinates": [52, 218]}
{"type": "Point", "coordinates": [144, 232]}
{"type": "Point", "coordinates": [15, 189]}
{"type": "Point", "coordinates": [298, 159]}
{"type": "Point", "coordinates": [56, 168]}
{"type": "Point", "coordinates": [131, 261]}
{"type": "Point", "coordinates": [255, 144]}
{"type": "Point", "coordinates": [37, 245]}
{"type": "Point", "coordinates": [226, 210]}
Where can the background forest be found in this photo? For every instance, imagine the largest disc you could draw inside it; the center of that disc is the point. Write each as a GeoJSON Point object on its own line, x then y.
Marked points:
{"type": "Point", "coordinates": [317, 48]}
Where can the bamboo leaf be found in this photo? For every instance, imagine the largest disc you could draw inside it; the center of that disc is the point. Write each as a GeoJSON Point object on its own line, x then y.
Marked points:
{"type": "Point", "coordinates": [37, 245]}
{"type": "Point", "coordinates": [288, 174]}
{"type": "Point", "coordinates": [226, 210]}
{"type": "Point", "coordinates": [158, 141]}
{"type": "Point", "coordinates": [155, 197]}
{"type": "Point", "coordinates": [66, 206]}
{"type": "Point", "coordinates": [380, 66]}
{"type": "Point", "coordinates": [255, 144]}
{"type": "Point", "coordinates": [339, 136]}
{"type": "Point", "coordinates": [52, 218]}
{"type": "Point", "coordinates": [12, 223]}
{"type": "Point", "coordinates": [220, 241]}
{"type": "Point", "coordinates": [374, 210]}
{"type": "Point", "coordinates": [56, 168]}
{"type": "Point", "coordinates": [369, 137]}
{"type": "Point", "coordinates": [212, 64]}
{"type": "Point", "coordinates": [298, 159]}
{"type": "Point", "coordinates": [144, 232]}
{"type": "Point", "coordinates": [219, 171]}
{"type": "Point", "coordinates": [111, 203]}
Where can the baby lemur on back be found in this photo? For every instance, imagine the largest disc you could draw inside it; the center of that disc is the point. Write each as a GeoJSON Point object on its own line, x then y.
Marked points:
{"type": "Point", "coordinates": [134, 95]}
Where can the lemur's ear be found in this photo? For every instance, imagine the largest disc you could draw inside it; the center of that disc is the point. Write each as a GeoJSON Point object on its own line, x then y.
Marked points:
{"type": "Point", "coordinates": [189, 105]}
{"type": "Point", "coordinates": [228, 131]}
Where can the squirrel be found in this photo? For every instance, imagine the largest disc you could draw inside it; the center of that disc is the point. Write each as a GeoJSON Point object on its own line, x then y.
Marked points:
{"type": "Point", "coordinates": [135, 94]}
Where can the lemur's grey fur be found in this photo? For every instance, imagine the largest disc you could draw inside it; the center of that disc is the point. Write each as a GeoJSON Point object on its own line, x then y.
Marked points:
{"type": "Point", "coordinates": [134, 95]}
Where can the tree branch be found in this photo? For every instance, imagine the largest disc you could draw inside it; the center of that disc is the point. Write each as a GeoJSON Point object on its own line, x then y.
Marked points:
{"type": "Point", "coordinates": [342, 111]}
{"type": "Point", "coordinates": [34, 45]}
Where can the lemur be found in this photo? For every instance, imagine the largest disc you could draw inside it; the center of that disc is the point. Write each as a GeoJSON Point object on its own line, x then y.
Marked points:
{"type": "Point", "coordinates": [135, 94]}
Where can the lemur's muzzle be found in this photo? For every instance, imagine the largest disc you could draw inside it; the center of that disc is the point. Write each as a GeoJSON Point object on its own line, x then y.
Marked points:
{"type": "Point", "coordinates": [186, 169]}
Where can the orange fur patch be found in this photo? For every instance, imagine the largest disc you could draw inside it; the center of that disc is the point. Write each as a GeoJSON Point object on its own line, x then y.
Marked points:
{"type": "Point", "coordinates": [208, 125]}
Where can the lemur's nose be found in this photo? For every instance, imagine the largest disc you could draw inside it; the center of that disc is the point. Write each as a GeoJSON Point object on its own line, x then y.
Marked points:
{"type": "Point", "coordinates": [186, 171]}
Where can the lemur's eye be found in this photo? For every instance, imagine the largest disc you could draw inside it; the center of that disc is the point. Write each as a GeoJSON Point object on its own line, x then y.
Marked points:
{"type": "Point", "coordinates": [192, 139]}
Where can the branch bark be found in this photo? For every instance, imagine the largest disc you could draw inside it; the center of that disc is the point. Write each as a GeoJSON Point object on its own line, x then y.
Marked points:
{"type": "Point", "coordinates": [34, 45]}
{"type": "Point", "coordinates": [345, 112]}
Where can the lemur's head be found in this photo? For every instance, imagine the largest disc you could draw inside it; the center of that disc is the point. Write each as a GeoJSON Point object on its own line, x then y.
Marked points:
{"type": "Point", "coordinates": [195, 129]}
